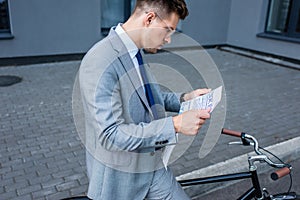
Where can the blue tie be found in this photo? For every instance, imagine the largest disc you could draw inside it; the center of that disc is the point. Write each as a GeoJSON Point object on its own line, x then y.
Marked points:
{"type": "Point", "coordinates": [148, 90]}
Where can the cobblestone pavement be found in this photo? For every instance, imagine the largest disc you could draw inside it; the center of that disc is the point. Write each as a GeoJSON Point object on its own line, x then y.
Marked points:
{"type": "Point", "coordinates": [41, 155]}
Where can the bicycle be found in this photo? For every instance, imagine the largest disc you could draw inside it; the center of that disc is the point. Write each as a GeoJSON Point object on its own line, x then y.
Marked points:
{"type": "Point", "coordinates": [255, 192]}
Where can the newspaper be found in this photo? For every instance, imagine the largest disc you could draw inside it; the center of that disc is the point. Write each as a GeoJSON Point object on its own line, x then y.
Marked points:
{"type": "Point", "coordinates": [204, 102]}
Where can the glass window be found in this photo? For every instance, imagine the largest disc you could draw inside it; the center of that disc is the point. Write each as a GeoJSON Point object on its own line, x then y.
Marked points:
{"type": "Point", "coordinates": [278, 16]}
{"type": "Point", "coordinates": [298, 23]}
{"type": "Point", "coordinates": [294, 24]}
{"type": "Point", "coordinates": [284, 18]}
{"type": "Point", "coordinates": [4, 17]}
{"type": "Point", "coordinates": [114, 12]}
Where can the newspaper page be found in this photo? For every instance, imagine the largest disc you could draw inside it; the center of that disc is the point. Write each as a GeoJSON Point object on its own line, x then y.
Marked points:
{"type": "Point", "coordinates": [207, 101]}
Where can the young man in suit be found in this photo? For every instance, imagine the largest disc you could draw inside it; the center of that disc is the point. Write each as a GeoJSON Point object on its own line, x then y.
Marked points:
{"type": "Point", "coordinates": [125, 122]}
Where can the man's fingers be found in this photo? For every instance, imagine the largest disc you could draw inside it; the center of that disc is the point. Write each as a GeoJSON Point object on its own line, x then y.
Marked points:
{"type": "Point", "coordinates": [200, 122]}
{"type": "Point", "coordinates": [190, 122]}
{"type": "Point", "coordinates": [196, 93]}
{"type": "Point", "coordinates": [203, 91]}
{"type": "Point", "coordinates": [204, 114]}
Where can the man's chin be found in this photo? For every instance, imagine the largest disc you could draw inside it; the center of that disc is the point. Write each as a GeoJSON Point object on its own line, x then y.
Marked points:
{"type": "Point", "coordinates": [151, 50]}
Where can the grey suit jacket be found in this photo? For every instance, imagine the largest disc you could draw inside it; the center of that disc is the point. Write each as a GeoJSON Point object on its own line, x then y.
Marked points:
{"type": "Point", "coordinates": [122, 136]}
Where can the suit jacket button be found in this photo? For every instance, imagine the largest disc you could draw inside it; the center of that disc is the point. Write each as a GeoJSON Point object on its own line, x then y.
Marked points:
{"type": "Point", "coordinates": [152, 154]}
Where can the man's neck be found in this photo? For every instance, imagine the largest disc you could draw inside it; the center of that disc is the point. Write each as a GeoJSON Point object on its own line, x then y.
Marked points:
{"type": "Point", "coordinates": [134, 30]}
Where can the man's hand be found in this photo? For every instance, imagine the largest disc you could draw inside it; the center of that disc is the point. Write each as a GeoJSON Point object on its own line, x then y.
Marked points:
{"type": "Point", "coordinates": [195, 93]}
{"type": "Point", "coordinates": [190, 122]}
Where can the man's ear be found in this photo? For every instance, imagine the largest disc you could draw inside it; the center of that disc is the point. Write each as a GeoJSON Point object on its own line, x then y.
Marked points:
{"type": "Point", "coordinates": [150, 16]}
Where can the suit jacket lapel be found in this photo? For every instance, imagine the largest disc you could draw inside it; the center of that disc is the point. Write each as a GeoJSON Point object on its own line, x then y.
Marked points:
{"type": "Point", "coordinates": [129, 67]}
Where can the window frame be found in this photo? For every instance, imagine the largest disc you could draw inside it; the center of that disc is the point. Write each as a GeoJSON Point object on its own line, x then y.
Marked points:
{"type": "Point", "coordinates": [126, 14]}
{"type": "Point", "coordinates": [289, 35]}
{"type": "Point", "coordinates": [7, 33]}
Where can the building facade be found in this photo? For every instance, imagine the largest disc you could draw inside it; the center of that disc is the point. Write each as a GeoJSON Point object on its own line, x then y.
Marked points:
{"type": "Point", "coordinates": [63, 27]}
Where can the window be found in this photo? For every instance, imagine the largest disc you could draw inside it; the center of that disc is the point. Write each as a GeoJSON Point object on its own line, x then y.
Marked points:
{"type": "Point", "coordinates": [114, 12]}
{"type": "Point", "coordinates": [284, 18]}
{"type": "Point", "coordinates": [4, 17]}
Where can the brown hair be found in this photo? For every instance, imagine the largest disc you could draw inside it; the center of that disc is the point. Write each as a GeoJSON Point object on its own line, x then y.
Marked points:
{"type": "Point", "coordinates": [164, 7]}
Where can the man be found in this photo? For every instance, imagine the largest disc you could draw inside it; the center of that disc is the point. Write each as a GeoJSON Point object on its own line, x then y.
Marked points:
{"type": "Point", "coordinates": [125, 122]}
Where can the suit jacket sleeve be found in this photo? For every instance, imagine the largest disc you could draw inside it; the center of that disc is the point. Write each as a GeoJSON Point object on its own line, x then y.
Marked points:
{"type": "Point", "coordinates": [172, 102]}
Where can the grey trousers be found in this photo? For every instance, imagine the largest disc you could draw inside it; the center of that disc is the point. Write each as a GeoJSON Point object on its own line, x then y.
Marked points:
{"type": "Point", "coordinates": [157, 185]}
{"type": "Point", "coordinates": [165, 187]}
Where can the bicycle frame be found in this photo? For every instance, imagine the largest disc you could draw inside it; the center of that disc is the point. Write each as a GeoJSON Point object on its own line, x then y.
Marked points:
{"type": "Point", "coordinates": [254, 192]}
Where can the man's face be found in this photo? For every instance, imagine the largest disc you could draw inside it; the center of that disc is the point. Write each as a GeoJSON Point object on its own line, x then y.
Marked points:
{"type": "Point", "coordinates": [160, 30]}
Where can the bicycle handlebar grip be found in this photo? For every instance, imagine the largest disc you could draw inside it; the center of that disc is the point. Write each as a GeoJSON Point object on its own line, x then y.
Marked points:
{"type": "Point", "coordinates": [280, 173]}
{"type": "Point", "coordinates": [231, 132]}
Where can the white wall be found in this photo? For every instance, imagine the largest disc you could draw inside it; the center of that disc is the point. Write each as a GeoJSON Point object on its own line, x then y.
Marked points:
{"type": "Point", "coordinates": [208, 21]}
{"type": "Point", "coordinates": [51, 27]}
{"type": "Point", "coordinates": [247, 19]}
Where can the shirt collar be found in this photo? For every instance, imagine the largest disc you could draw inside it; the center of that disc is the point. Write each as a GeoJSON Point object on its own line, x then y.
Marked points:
{"type": "Point", "coordinates": [129, 44]}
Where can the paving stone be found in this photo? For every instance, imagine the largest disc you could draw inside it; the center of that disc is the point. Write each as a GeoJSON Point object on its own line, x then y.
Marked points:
{"type": "Point", "coordinates": [44, 192]}
{"type": "Point", "coordinates": [9, 195]}
{"type": "Point", "coordinates": [24, 197]}
{"type": "Point", "coordinates": [12, 174]}
{"type": "Point", "coordinates": [58, 195]}
{"type": "Point", "coordinates": [28, 189]}
{"type": "Point", "coordinates": [67, 185]}
{"type": "Point", "coordinates": [16, 185]}
{"type": "Point", "coordinates": [40, 179]}
{"type": "Point", "coordinates": [79, 191]}
{"type": "Point", "coordinates": [52, 183]}
{"type": "Point", "coordinates": [63, 173]}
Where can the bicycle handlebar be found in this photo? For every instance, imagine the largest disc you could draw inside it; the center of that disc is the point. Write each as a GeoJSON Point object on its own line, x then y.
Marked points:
{"type": "Point", "coordinates": [246, 138]}
{"type": "Point", "coordinates": [231, 132]}
{"type": "Point", "coordinates": [280, 173]}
